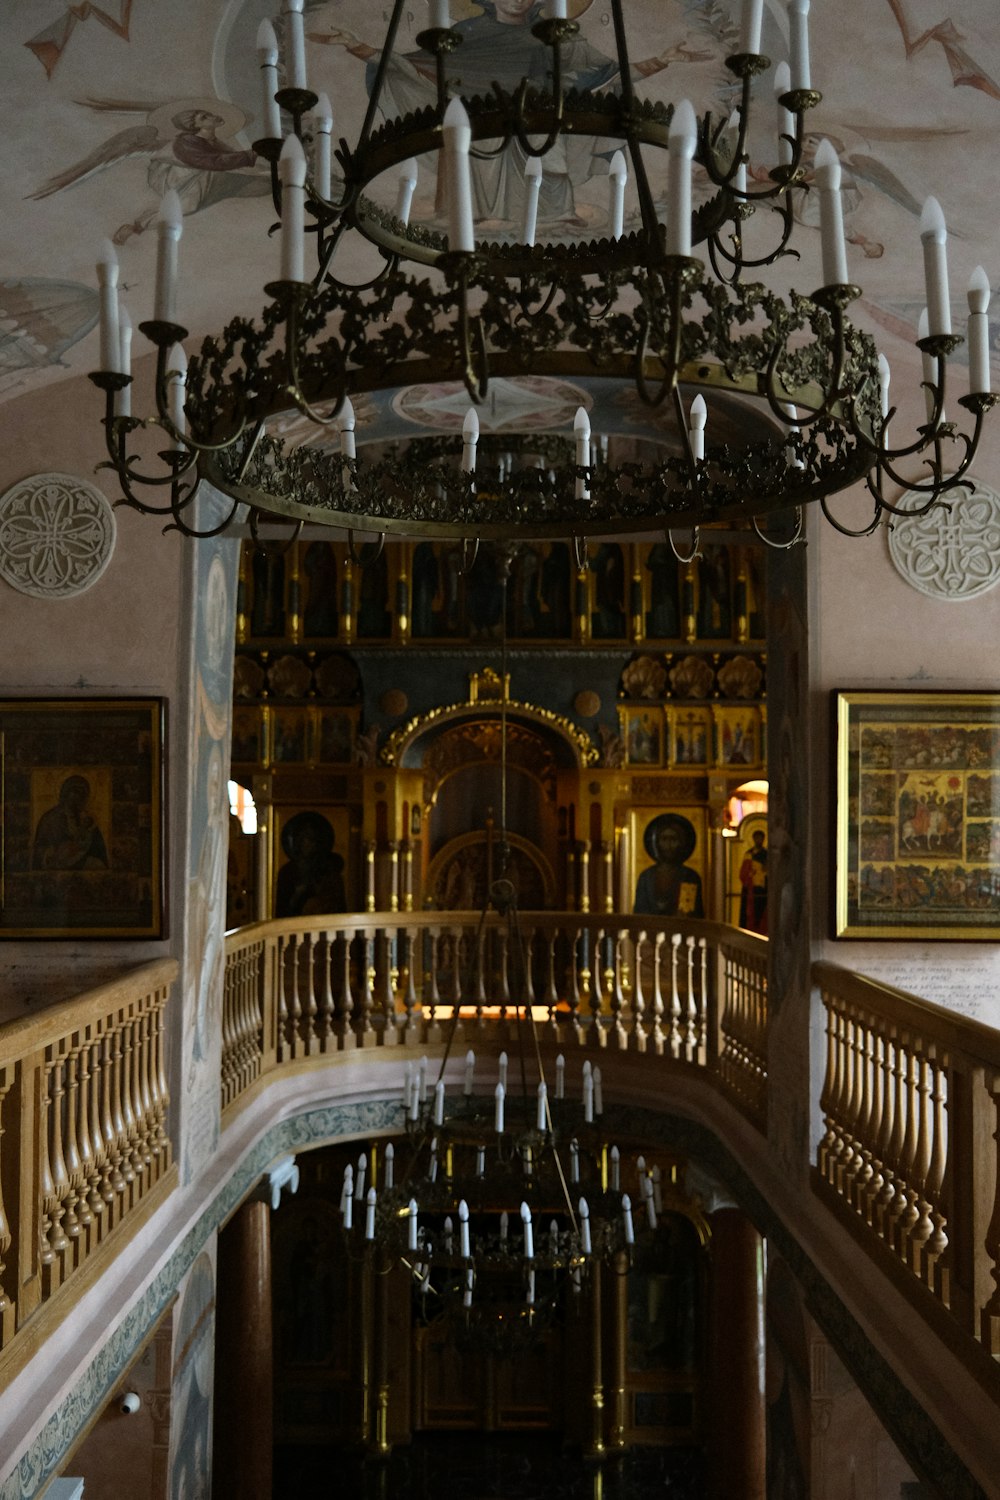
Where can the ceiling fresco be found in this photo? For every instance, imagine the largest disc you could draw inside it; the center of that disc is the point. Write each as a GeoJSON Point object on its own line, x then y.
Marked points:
{"type": "Point", "coordinates": [112, 102]}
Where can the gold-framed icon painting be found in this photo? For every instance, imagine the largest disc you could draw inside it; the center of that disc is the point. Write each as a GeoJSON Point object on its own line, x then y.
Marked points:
{"type": "Point", "coordinates": [918, 815]}
{"type": "Point", "coordinates": [81, 818]}
{"type": "Point", "coordinates": [669, 861]}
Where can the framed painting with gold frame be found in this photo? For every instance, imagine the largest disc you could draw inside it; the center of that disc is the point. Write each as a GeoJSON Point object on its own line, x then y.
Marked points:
{"type": "Point", "coordinates": [917, 815]}
{"type": "Point", "coordinates": [81, 815]}
{"type": "Point", "coordinates": [644, 733]}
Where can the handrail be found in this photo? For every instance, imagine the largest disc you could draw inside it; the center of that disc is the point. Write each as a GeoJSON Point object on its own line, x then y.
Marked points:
{"type": "Point", "coordinates": [83, 1132]}
{"type": "Point", "coordinates": [687, 990]}
{"type": "Point", "coordinates": [909, 1157]}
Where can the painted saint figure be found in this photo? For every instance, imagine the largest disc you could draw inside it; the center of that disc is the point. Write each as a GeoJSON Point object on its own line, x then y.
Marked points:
{"type": "Point", "coordinates": [753, 882]}
{"type": "Point", "coordinates": [311, 883]}
{"type": "Point", "coordinates": [670, 888]}
{"type": "Point", "coordinates": [67, 837]}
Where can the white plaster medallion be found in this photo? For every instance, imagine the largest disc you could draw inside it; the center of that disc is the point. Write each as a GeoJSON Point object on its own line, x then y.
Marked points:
{"type": "Point", "coordinates": [950, 553]}
{"type": "Point", "coordinates": [57, 534]}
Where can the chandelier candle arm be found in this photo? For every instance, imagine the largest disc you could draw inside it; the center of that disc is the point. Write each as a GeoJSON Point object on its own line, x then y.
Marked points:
{"type": "Point", "coordinates": [560, 1077]}
{"type": "Point", "coordinates": [107, 285]}
{"type": "Point", "coordinates": [529, 1237]}
{"type": "Point", "coordinates": [370, 1203]}
{"type": "Point", "coordinates": [412, 1226]}
{"type": "Point", "coordinates": [169, 227]}
{"type": "Point", "coordinates": [463, 1230]}
{"type": "Point", "coordinates": [422, 1065]}
{"type": "Point", "coordinates": [439, 1102]}
{"type": "Point", "coordinates": [978, 332]}
{"type": "Point", "coordinates": [934, 237]}
{"type": "Point", "coordinates": [738, 179]}
{"type": "Point", "coordinates": [267, 56]}
{"type": "Point", "coordinates": [586, 1246]}
{"type": "Point", "coordinates": [750, 26]}
{"type": "Point", "coordinates": [502, 1068]}
{"type": "Point", "coordinates": [470, 438]}
{"type": "Point", "coordinates": [533, 187]}
{"type": "Point", "coordinates": [295, 44]}
{"type": "Point", "coordinates": [542, 1106]}
{"type": "Point", "coordinates": [627, 1219]}
{"type": "Point", "coordinates": [581, 433]}
{"type": "Point", "coordinates": [406, 186]}
{"type": "Point", "coordinates": [884, 380]}
{"type": "Point", "coordinates": [798, 43]}
{"type": "Point", "coordinates": [831, 215]}
{"type": "Point", "coordinates": [176, 381]}
{"type": "Point", "coordinates": [682, 138]}
{"type": "Point", "coordinates": [615, 1170]}
{"type": "Point", "coordinates": [322, 117]}
{"type": "Point", "coordinates": [390, 1164]}
{"type": "Point", "coordinates": [932, 395]}
{"type": "Point", "coordinates": [498, 1095]}
{"type": "Point", "coordinates": [617, 179]}
{"type": "Point", "coordinates": [457, 135]}
{"type": "Point", "coordinates": [123, 397]}
{"type": "Point", "coordinates": [292, 173]}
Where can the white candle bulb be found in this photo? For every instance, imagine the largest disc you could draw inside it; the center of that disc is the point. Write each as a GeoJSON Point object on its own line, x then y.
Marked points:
{"type": "Point", "coordinates": [556, 10]}
{"type": "Point", "coordinates": [598, 1093]}
{"type": "Point", "coordinates": [406, 186]}
{"type": "Point", "coordinates": [682, 138]}
{"type": "Point", "coordinates": [347, 1188]}
{"type": "Point", "coordinates": [463, 1229]}
{"type": "Point", "coordinates": [470, 1070]}
{"type": "Point", "coordinates": [581, 432]}
{"type": "Point", "coordinates": [529, 1238]}
{"type": "Point", "coordinates": [412, 1225]}
{"type": "Point", "coordinates": [627, 1218]}
{"type": "Point", "coordinates": [123, 398]}
{"type": "Point", "coordinates": [502, 1068]}
{"type": "Point", "coordinates": [439, 1102]}
{"type": "Point", "coordinates": [438, 15]}
{"type": "Point", "coordinates": [657, 1197]}
{"type": "Point", "coordinates": [529, 1295]}
{"type": "Point", "coordinates": [929, 366]}
{"type": "Point", "coordinates": [498, 1108]}
{"type": "Point", "coordinates": [322, 129]}
{"type": "Point", "coordinates": [553, 1238]}
{"type": "Point", "coordinates": [390, 1162]}
{"type": "Point", "coordinates": [786, 120]}
{"type": "Point", "coordinates": [574, 1161]}
{"type": "Point", "coordinates": [739, 178]}
{"type": "Point", "coordinates": [560, 1077]}
{"type": "Point", "coordinates": [884, 377]}
{"type": "Point", "coordinates": [504, 1224]}
{"type": "Point", "coordinates": [798, 43]}
{"type": "Point", "coordinates": [359, 1181]}
{"type": "Point", "coordinates": [615, 1169]}
{"type": "Point", "coordinates": [169, 225]}
{"type": "Point", "coordinates": [292, 175]}
{"type": "Point", "coordinates": [533, 186]}
{"type": "Point", "coordinates": [750, 24]}
{"type": "Point", "coordinates": [348, 1210]}
{"type": "Point", "coordinates": [470, 437]}
{"type": "Point", "coordinates": [650, 1208]}
{"type": "Point", "coordinates": [457, 133]}
{"type": "Point", "coordinates": [295, 44]}
{"type": "Point", "coordinates": [176, 381]}
{"type": "Point", "coordinates": [697, 419]}
{"type": "Point", "coordinates": [469, 1284]}
{"type": "Point", "coordinates": [588, 1093]}
{"type": "Point", "coordinates": [422, 1065]}
{"type": "Point", "coordinates": [542, 1092]}
{"type": "Point", "coordinates": [267, 57]}
{"type": "Point", "coordinates": [349, 451]}
{"type": "Point", "coordinates": [370, 1214]}
{"type": "Point", "coordinates": [978, 333]}
{"type": "Point", "coordinates": [934, 237]}
{"type": "Point", "coordinates": [617, 178]}
{"type": "Point", "coordinates": [432, 1166]}
{"type": "Point", "coordinates": [831, 215]}
{"type": "Point", "coordinates": [585, 1244]}
{"type": "Point", "coordinates": [449, 1234]}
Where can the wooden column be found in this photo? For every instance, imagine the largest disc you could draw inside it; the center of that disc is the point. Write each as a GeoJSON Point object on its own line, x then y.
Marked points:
{"type": "Point", "coordinates": [737, 1442]}
{"type": "Point", "coordinates": [243, 1439]}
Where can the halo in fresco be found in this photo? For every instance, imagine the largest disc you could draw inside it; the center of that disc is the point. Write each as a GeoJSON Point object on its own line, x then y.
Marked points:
{"type": "Point", "coordinates": [57, 534]}
{"type": "Point", "coordinates": [953, 552]}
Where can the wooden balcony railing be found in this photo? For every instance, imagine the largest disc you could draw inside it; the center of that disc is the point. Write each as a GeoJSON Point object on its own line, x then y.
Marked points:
{"type": "Point", "coordinates": [83, 1138]}
{"type": "Point", "coordinates": [693, 992]}
{"type": "Point", "coordinates": [909, 1158]}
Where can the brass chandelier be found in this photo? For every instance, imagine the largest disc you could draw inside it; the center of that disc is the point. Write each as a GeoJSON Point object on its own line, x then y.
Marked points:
{"type": "Point", "coordinates": [688, 330]}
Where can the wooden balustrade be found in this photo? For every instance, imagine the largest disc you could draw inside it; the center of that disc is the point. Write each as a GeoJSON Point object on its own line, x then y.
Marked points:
{"type": "Point", "coordinates": [909, 1156]}
{"type": "Point", "coordinates": [83, 1132]}
{"type": "Point", "coordinates": [692, 992]}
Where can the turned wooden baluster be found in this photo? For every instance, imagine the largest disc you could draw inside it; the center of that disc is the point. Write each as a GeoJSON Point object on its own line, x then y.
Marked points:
{"type": "Point", "coordinates": [113, 1182]}
{"type": "Point", "coordinates": [324, 1022]}
{"type": "Point", "coordinates": [691, 1018]}
{"type": "Point", "coordinates": [990, 1316]}
{"type": "Point", "coordinates": [345, 1006]}
{"type": "Point", "coordinates": [284, 1019]}
{"type": "Point", "coordinates": [310, 1007]}
{"type": "Point", "coordinates": [98, 1184]}
{"type": "Point", "coordinates": [458, 959]}
{"type": "Point", "coordinates": [841, 1094]}
{"type": "Point", "coordinates": [850, 1159]}
{"type": "Point", "coordinates": [84, 1146]}
{"type": "Point", "coordinates": [131, 1116]}
{"type": "Point", "coordinates": [922, 1228]}
{"type": "Point", "coordinates": [161, 1096]}
{"type": "Point", "coordinates": [701, 1021]}
{"type": "Point", "coordinates": [617, 1031]}
{"type": "Point", "coordinates": [868, 1119]}
{"type": "Point", "coordinates": [888, 1205]}
{"type": "Point", "coordinates": [6, 1305]}
{"type": "Point", "coordinates": [480, 991]}
{"type": "Point", "coordinates": [55, 1205]}
{"type": "Point", "coordinates": [595, 1031]}
{"type": "Point", "coordinates": [123, 1165]}
{"type": "Point", "coordinates": [551, 988]}
{"type": "Point", "coordinates": [295, 1034]}
{"type": "Point", "coordinates": [827, 1146]}
{"type": "Point", "coordinates": [365, 1029]}
{"type": "Point", "coordinates": [659, 1035]}
{"type": "Point", "coordinates": [524, 964]}
{"type": "Point", "coordinates": [411, 1029]}
{"type": "Point", "coordinates": [584, 970]}
{"type": "Point", "coordinates": [382, 943]}
{"type": "Point", "coordinates": [638, 997]}
{"type": "Point", "coordinates": [230, 1033]}
{"type": "Point", "coordinates": [73, 1224]}
{"type": "Point", "coordinates": [908, 1212]}
{"type": "Point", "coordinates": [434, 941]}
{"type": "Point", "coordinates": [936, 1248]}
{"type": "Point", "coordinates": [882, 1194]}
{"type": "Point", "coordinates": [502, 994]}
{"type": "Point", "coordinates": [573, 998]}
{"type": "Point", "coordinates": [675, 998]}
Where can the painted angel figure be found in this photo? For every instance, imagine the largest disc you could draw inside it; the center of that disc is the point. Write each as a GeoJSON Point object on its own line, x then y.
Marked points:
{"type": "Point", "coordinates": [190, 146]}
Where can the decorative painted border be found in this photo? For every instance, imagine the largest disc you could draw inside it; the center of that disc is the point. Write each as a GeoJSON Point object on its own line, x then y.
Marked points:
{"type": "Point", "coordinates": [921, 1442]}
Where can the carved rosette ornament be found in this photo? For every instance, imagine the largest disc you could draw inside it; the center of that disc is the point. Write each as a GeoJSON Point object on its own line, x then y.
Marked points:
{"type": "Point", "coordinates": [57, 534]}
{"type": "Point", "coordinates": [952, 552]}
